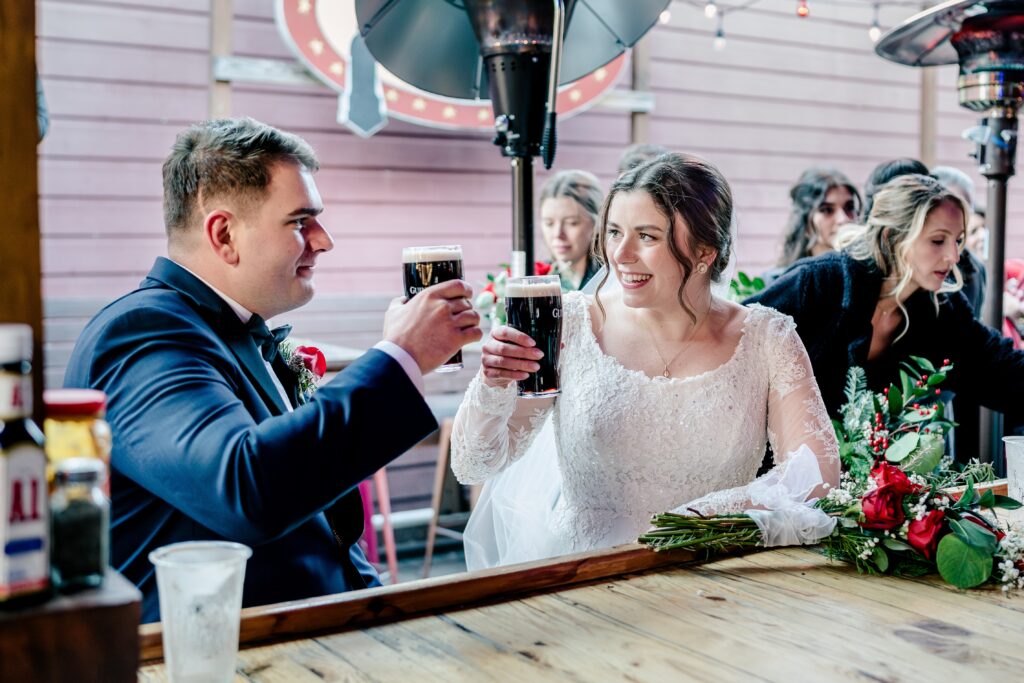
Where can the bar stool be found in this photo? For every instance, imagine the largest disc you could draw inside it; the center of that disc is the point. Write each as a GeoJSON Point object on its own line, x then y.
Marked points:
{"type": "Point", "coordinates": [441, 475]}
{"type": "Point", "coordinates": [380, 487]}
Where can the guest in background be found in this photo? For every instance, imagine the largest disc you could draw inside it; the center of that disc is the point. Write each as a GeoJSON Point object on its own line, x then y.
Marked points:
{"type": "Point", "coordinates": [569, 204]}
{"type": "Point", "coordinates": [887, 295]}
{"type": "Point", "coordinates": [823, 200]}
{"type": "Point", "coordinates": [883, 173]}
{"type": "Point", "coordinates": [1013, 302]}
{"type": "Point", "coordinates": [971, 267]}
{"type": "Point", "coordinates": [638, 154]}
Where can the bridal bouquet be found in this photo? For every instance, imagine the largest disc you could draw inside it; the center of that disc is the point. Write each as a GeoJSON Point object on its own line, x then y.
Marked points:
{"type": "Point", "coordinates": [893, 511]}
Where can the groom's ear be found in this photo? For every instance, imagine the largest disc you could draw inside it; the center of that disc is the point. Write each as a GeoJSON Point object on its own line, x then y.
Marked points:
{"type": "Point", "coordinates": [219, 228]}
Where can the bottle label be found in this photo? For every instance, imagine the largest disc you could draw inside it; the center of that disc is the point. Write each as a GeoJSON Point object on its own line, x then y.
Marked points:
{"type": "Point", "coordinates": [24, 522]}
{"type": "Point", "coordinates": [15, 394]}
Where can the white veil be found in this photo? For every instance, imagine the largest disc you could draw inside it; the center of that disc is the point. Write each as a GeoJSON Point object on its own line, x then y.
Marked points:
{"type": "Point", "coordinates": [515, 517]}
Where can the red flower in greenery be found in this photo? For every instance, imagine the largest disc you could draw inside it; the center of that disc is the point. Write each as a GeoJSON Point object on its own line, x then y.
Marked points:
{"type": "Point", "coordinates": [924, 534]}
{"type": "Point", "coordinates": [541, 268]}
{"type": "Point", "coordinates": [313, 360]}
{"type": "Point", "coordinates": [882, 508]}
{"type": "Point", "coordinates": [885, 474]}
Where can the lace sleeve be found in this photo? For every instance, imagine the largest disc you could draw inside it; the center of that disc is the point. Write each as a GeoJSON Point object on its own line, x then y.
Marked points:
{"type": "Point", "coordinates": [493, 428]}
{"type": "Point", "coordinates": [796, 418]}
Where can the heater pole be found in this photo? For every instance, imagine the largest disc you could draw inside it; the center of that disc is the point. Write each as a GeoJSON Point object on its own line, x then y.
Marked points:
{"type": "Point", "coordinates": [522, 216]}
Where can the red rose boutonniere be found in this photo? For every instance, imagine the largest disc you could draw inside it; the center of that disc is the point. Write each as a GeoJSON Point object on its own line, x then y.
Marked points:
{"type": "Point", "coordinates": [308, 364]}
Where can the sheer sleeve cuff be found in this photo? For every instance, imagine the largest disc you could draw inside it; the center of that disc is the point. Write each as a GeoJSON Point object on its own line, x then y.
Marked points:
{"type": "Point", "coordinates": [493, 401]}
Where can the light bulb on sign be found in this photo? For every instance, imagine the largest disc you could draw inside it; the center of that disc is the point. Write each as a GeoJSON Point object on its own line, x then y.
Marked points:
{"type": "Point", "coordinates": [875, 32]}
{"type": "Point", "coordinates": [664, 17]}
{"type": "Point", "coordinates": [803, 10]}
{"type": "Point", "coordinates": [710, 9]}
{"type": "Point", "coordinates": [719, 42]}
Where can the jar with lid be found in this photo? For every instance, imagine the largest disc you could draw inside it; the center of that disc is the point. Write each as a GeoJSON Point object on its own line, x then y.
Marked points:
{"type": "Point", "coordinates": [80, 521]}
{"type": "Point", "coordinates": [75, 428]}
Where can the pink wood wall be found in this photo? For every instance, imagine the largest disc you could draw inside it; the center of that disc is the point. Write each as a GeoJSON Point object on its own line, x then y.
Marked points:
{"type": "Point", "coordinates": [122, 77]}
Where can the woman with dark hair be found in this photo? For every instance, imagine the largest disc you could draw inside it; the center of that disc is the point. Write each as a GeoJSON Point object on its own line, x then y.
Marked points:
{"type": "Point", "coordinates": [883, 173]}
{"type": "Point", "coordinates": [893, 292]}
{"type": "Point", "coordinates": [823, 201]}
{"type": "Point", "coordinates": [569, 204]}
{"type": "Point", "coordinates": [668, 393]}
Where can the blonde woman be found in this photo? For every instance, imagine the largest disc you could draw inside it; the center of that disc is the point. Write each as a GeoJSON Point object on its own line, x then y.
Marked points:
{"type": "Point", "coordinates": [891, 292]}
{"type": "Point", "coordinates": [569, 203]}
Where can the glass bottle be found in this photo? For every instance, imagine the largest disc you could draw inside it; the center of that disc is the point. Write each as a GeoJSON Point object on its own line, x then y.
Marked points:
{"type": "Point", "coordinates": [24, 520]}
{"type": "Point", "coordinates": [80, 523]}
{"type": "Point", "coordinates": [75, 428]}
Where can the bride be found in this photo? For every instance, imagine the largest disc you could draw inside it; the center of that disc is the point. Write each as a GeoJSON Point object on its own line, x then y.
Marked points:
{"type": "Point", "coordinates": [669, 393]}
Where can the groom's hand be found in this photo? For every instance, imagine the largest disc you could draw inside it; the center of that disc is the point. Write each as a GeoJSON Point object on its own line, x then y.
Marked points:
{"type": "Point", "coordinates": [508, 356]}
{"type": "Point", "coordinates": [434, 324]}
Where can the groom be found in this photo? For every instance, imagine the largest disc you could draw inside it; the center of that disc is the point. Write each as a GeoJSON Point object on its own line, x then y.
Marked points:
{"type": "Point", "coordinates": [208, 440]}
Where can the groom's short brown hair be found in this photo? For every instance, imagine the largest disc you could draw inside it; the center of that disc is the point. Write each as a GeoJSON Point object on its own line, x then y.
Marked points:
{"type": "Point", "coordinates": [224, 157]}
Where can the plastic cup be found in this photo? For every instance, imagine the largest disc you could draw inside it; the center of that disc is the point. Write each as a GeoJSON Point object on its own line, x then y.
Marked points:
{"type": "Point", "coordinates": [1015, 466]}
{"type": "Point", "coordinates": [200, 588]}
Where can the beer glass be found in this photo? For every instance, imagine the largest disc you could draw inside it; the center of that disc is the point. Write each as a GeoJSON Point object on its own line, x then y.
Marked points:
{"type": "Point", "coordinates": [200, 589]}
{"type": "Point", "coordinates": [533, 305]}
{"type": "Point", "coordinates": [426, 266]}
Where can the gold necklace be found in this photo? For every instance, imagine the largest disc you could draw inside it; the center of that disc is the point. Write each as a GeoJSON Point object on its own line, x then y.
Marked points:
{"type": "Point", "coordinates": [666, 374]}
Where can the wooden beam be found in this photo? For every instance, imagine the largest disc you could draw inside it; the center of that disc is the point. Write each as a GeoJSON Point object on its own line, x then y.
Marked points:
{"type": "Point", "coordinates": [221, 15]}
{"type": "Point", "coordinates": [641, 68]}
{"type": "Point", "coordinates": [928, 117]}
{"type": "Point", "coordinates": [20, 270]}
{"type": "Point", "coordinates": [289, 72]}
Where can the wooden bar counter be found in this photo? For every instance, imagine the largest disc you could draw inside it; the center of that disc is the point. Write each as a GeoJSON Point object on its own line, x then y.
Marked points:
{"type": "Point", "coordinates": [630, 614]}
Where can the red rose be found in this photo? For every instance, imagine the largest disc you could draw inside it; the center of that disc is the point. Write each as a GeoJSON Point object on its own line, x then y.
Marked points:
{"type": "Point", "coordinates": [541, 268]}
{"type": "Point", "coordinates": [882, 508]}
{"type": "Point", "coordinates": [924, 534]}
{"type": "Point", "coordinates": [885, 474]}
{"type": "Point", "coordinates": [313, 359]}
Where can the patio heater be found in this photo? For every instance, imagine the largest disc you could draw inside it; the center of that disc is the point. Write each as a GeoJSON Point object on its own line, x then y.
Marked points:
{"type": "Point", "coordinates": [516, 52]}
{"type": "Point", "coordinates": [987, 40]}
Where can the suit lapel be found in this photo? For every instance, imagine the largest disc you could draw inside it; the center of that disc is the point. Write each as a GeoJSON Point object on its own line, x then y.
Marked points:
{"type": "Point", "coordinates": [219, 315]}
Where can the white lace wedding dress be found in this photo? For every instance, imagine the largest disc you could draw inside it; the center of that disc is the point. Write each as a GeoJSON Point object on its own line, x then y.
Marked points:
{"type": "Point", "coordinates": [627, 446]}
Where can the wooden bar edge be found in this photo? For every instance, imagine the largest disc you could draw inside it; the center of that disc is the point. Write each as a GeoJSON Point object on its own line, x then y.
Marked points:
{"type": "Point", "coordinates": [345, 611]}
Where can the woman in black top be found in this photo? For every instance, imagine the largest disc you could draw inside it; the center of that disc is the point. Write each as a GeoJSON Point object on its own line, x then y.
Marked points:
{"type": "Point", "coordinates": [885, 297]}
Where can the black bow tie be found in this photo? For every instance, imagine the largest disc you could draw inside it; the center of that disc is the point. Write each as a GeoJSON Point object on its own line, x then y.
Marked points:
{"type": "Point", "coordinates": [267, 340]}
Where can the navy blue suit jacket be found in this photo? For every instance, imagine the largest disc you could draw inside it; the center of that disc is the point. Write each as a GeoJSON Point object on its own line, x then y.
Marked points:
{"type": "Point", "coordinates": [205, 449]}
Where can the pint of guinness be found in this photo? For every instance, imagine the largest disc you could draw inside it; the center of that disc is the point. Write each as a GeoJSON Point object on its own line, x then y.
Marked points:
{"type": "Point", "coordinates": [534, 305]}
{"type": "Point", "coordinates": [426, 266]}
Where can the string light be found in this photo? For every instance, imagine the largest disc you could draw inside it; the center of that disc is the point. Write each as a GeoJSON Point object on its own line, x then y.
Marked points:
{"type": "Point", "coordinates": [710, 9]}
{"type": "Point", "coordinates": [719, 41]}
{"type": "Point", "coordinates": [665, 17]}
{"type": "Point", "coordinates": [802, 9]}
{"type": "Point", "coordinates": [875, 32]}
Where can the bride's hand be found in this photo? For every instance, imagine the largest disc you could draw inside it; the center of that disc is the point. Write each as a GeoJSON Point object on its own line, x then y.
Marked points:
{"type": "Point", "coordinates": [508, 356]}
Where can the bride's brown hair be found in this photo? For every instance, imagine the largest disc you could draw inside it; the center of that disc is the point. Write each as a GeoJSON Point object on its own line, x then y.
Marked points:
{"type": "Point", "coordinates": [683, 185]}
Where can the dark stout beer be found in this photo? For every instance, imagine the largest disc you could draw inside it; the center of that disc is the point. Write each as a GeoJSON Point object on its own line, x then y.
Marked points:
{"type": "Point", "coordinates": [426, 266]}
{"type": "Point", "coordinates": [534, 306]}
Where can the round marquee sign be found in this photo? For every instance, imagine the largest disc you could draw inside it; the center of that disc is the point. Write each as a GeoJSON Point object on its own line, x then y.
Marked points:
{"type": "Point", "coordinates": [320, 33]}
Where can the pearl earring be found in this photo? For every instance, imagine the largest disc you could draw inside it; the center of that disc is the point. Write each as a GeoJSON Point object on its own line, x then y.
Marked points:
{"type": "Point", "coordinates": [702, 267]}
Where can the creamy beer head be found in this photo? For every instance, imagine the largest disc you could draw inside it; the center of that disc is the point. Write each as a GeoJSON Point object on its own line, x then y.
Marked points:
{"type": "Point", "coordinates": [431, 254]}
{"type": "Point", "coordinates": [424, 267]}
{"type": "Point", "coordinates": [521, 288]}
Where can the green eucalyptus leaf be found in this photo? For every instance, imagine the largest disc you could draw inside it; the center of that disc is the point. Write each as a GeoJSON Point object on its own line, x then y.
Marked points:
{"type": "Point", "coordinates": [962, 565]}
{"type": "Point", "coordinates": [894, 544]}
{"type": "Point", "coordinates": [880, 559]}
{"type": "Point", "coordinates": [1006, 503]}
{"type": "Point", "coordinates": [743, 278]}
{"type": "Point", "coordinates": [895, 400]}
{"type": "Point", "coordinates": [914, 416]}
{"type": "Point", "coordinates": [923, 363]}
{"type": "Point", "coordinates": [902, 447]}
{"type": "Point", "coordinates": [757, 284]}
{"type": "Point", "coordinates": [974, 536]}
{"type": "Point", "coordinates": [927, 456]}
